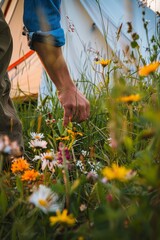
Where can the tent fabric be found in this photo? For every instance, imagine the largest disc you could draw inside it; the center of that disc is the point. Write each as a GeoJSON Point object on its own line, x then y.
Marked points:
{"type": "Point", "coordinates": [83, 41]}
{"type": "Point", "coordinates": [120, 12]}
{"type": "Point", "coordinates": [83, 26]}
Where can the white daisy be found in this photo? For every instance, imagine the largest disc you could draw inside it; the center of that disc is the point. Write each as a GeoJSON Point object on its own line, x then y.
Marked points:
{"type": "Point", "coordinates": [48, 160]}
{"type": "Point", "coordinates": [45, 199]}
{"type": "Point", "coordinates": [38, 143]}
{"type": "Point", "coordinates": [36, 158]}
{"type": "Point", "coordinates": [37, 136]}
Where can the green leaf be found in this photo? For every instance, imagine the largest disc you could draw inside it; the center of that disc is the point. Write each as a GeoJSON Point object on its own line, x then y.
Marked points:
{"type": "Point", "coordinates": [58, 188]}
{"type": "Point", "coordinates": [60, 126]}
{"type": "Point", "coordinates": [19, 185]}
{"type": "Point", "coordinates": [3, 201]}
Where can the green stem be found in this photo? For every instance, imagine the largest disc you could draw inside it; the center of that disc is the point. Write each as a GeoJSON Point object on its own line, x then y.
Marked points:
{"type": "Point", "coordinates": [1, 163]}
{"type": "Point", "coordinates": [66, 179]}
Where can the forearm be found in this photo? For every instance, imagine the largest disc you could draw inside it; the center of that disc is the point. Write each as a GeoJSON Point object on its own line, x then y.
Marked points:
{"type": "Point", "coordinates": [55, 65]}
{"type": "Point", "coordinates": [46, 37]}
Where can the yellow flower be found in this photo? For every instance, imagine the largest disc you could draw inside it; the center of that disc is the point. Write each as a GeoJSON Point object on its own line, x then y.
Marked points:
{"type": "Point", "coordinates": [130, 98]}
{"type": "Point", "coordinates": [66, 138]}
{"type": "Point", "coordinates": [62, 218]}
{"type": "Point", "coordinates": [30, 175]}
{"type": "Point", "coordinates": [19, 165]}
{"type": "Point", "coordinates": [80, 238]}
{"type": "Point", "coordinates": [146, 70]}
{"type": "Point", "coordinates": [116, 172]}
{"type": "Point", "coordinates": [74, 134]}
{"type": "Point", "coordinates": [103, 62]}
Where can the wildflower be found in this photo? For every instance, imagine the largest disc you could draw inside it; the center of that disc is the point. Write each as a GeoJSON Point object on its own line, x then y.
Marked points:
{"type": "Point", "coordinates": [104, 180]}
{"type": "Point", "coordinates": [81, 166]}
{"type": "Point", "coordinates": [74, 134]}
{"type": "Point", "coordinates": [92, 175]}
{"type": "Point", "coordinates": [103, 62]}
{"type": "Point", "coordinates": [48, 160]}
{"type": "Point", "coordinates": [45, 199]}
{"type": "Point", "coordinates": [113, 142]}
{"type": "Point", "coordinates": [109, 197]}
{"type": "Point", "coordinates": [38, 143]}
{"type": "Point", "coordinates": [37, 136]}
{"type": "Point", "coordinates": [146, 70]}
{"type": "Point", "coordinates": [60, 153]}
{"type": "Point", "coordinates": [84, 153]}
{"type": "Point", "coordinates": [83, 207]}
{"type": "Point", "coordinates": [130, 98]}
{"type": "Point", "coordinates": [50, 121]}
{"type": "Point", "coordinates": [71, 137]}
{"type": "Point", "coordinates": [30, 175]}
{"type": "Point", "coordinates": [95, 166]}
{"type": "Point", "coordinates": [19, 165]}
{"type": "Point", "coordinates": [116, 172]}
{"type": "Point", "coordinates": [62, 218]}
{"type": "Point", "coordinates": [66, 138]}
{"type": "Point", "coordinates": [80, 238]}
{"type": "Point", "coordinates": [36, 157]}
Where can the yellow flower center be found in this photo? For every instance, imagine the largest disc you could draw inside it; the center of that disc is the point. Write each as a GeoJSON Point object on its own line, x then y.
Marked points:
{"type": "Point", "coordinates": [37, 137]}
{"type": "Point", "coordinates": [48, 157]}
{"type": "Point", "coordinates": [42, 202]}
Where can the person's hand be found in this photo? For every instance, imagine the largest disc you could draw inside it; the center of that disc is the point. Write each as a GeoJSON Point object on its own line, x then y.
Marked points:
{"type": "Point", "coordinates": [76, 106]}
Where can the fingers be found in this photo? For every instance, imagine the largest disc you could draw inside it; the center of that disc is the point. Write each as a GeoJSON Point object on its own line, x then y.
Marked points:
{"type": "Point", "coordinates": [76, 113]}
{"type": "Point", "coordinates": [76, 106]}
{"type": "Point", "coordinates": [67, 115]}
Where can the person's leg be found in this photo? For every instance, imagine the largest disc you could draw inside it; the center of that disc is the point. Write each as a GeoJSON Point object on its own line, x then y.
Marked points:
{"type": "Point", "coordinates": [9, 122]}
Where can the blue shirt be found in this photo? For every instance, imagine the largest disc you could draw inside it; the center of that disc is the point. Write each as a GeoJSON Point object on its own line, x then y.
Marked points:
{"type": "Point", "coordinates": [42, 22]}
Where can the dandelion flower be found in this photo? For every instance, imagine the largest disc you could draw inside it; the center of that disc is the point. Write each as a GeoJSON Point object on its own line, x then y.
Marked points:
{"type": "Point", "coordinates": [45, 199]}
{"type": "Point", "coordinates": [30, 175]}
{"type": "Point", "coordinates": [130, 98]}
{"type": "Point", "coordinates": [37, 136]}
{"type": "Point", "coordinates": [146, 70]}
{"type": "Point", "coordinates": [117, 172]}
{"type": "Point", "coordinates": [62, 218]}
{"type": "Point", "coordinates": [38, 144]}
{"type": "Point", "coordinates": [19, 165]}
{"type": "Point", "coordinates": [103, 62]}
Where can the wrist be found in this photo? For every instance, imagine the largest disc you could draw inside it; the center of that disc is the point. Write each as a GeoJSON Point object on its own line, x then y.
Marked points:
{"type": "Point", "coordinates": [66, 88]}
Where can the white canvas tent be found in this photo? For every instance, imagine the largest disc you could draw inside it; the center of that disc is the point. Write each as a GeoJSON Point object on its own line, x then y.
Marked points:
{"type": "Point", "coordinates": [82, 23]}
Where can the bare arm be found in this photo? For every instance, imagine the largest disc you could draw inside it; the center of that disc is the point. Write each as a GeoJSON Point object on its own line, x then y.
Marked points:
{"type": "Point", "coordinates": [76, 106]}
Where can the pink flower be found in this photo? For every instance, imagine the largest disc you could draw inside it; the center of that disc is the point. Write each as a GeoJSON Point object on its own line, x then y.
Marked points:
{"type": "Point", "coordinates": [66, 153]}
{"type": "Point", "coordinates": [38, 143]}
{"type": "Point", "coordinates": [109, 197]}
